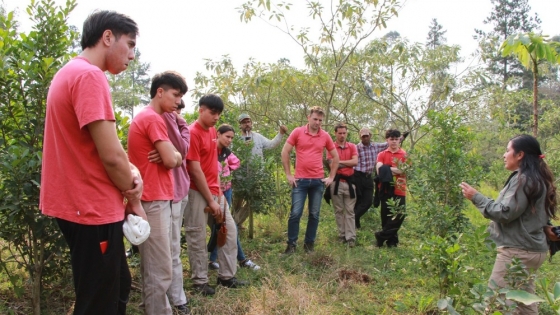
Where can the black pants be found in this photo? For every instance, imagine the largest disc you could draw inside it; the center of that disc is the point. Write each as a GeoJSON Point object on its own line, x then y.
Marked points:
{"type": "Point", "coordinates": [101, 281]}
{"type": "Point", "coordinates": [391, 224]}
{"type": "Point", "coordinates": [364, 195]}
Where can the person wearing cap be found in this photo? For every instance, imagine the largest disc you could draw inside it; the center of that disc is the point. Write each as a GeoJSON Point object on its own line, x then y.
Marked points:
{"type": "Point", "coordinates": [260, 142]}
{"type": "Point", "coordinates": [364, 173]}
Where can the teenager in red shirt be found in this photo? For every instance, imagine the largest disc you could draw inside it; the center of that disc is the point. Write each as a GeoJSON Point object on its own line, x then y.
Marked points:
{"type": "Point", "coordinates": [389, 160]}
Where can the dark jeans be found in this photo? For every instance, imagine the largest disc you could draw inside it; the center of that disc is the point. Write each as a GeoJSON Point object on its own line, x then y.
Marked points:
{"type": "Point", "coordinates": [364, 195]}
{"type": "Point", "coordinates": [101, 281]}
{"type": "Point", "coordinates": [390, 224]}
{"type": "Point", "coordinates": [306, 187]}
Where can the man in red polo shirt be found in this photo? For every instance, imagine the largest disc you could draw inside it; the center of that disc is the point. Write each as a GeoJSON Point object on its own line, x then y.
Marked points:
{"type": "Point", "coordinates": [343, 190]}
{"type": "Point", "coordinates": [310, 141]}
{"type": "Point", "coordinates": [391, 217]}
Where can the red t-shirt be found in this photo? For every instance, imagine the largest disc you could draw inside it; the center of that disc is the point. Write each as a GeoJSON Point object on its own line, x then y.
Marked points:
{"type": "Point", "coordinates": [309, 151]}
{"type": "Point", "coordinates": [203, 149]}
{"type": "Point", "coordinates": [74, 184]}
{"type": "Point", "coordinates": [345, 153]}
{"type": "Point", "coordinates": [389, 158]}
{"type": "Point", "coordinates": [146, 129]}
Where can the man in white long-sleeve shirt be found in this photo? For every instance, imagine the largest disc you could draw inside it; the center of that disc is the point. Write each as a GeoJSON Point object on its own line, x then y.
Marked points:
{"type": "Point", "coordinates": [260, 141]}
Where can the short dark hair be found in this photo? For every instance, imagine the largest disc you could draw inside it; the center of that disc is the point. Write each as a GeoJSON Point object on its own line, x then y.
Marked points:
{"type": "Point", "coordinates": [100, 21]}
{"type": "Point", "coordinates": [182, 105]}
{"type": "Point", "coordinates": [213, 102]}
{"type": "Point", "coordinates": [167, 80]}
{"type": "Point", "coordinates": [392, 133]}
{"type": "Point", "coordinates": [225, 128]}
{"type": "Point", "coordinates": [340, 126]}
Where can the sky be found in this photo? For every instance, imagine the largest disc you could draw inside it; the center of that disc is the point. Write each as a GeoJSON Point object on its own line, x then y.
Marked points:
{"type": "Point", "coordinates": [179, 34]}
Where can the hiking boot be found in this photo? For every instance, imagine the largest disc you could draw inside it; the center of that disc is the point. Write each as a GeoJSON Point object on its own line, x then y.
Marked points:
{"type": "Point", "coordinates": [204, 289]}
{"type": "Point", "coordinates": [351, 243]}
{"type": "Point", "coordinates": [309, 247]}
{"type": "Point", "coordinates": [247, 263]}
{"type": "Point", "coordinates": [291, 249]}
{"type": "Point", "coordinates": [232, 283]}
{"type": "Point", "coordinates": [213, 265]}
{"type": "Point", "coordinates": [342, 239]}
{"type": "Point", "coordinates": [182, 309]}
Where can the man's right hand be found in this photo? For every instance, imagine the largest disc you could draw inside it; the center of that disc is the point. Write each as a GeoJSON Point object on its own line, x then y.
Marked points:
{"type": "Point", "coordinates": [154, 157]}
{"type": "Point", "coordinates": [291, 180]}
{"type": "Point", "coordinates": [215, 207]}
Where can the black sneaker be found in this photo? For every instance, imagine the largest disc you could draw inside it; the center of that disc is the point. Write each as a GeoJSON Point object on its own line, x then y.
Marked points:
{"type": "Point", "coordinates": [309, 247]}
{"type": "Point", "coordinates": [204, 289]}
{"type": "Point", "coordinates": [182, 309]}
{"type": "Point", "coordinates": [232, 283]}
{"type": "Point", "coordinates": [291, 249]}
{"type": "Point", "coordinates": [378, 240]}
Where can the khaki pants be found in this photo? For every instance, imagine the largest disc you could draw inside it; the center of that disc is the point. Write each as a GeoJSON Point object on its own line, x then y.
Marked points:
{"type": "Point", "coordinates": [532, 260]}
{"type": "Point", "coordinates": [344, 211]}
{"type": "Point", "coordinates": [175, 293]}
{"type": "Point", "coordinates": [155, 259]}
{"type": "Point", "coordinates": [195, 226]}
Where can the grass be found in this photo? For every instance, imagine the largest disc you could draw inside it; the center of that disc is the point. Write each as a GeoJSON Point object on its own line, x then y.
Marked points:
{"type": "Point", "coordinates": [334, 279]}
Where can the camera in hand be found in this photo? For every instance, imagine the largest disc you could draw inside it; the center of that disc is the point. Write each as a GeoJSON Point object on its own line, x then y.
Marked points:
{"type": "Point", "coordinates": [247, 138]}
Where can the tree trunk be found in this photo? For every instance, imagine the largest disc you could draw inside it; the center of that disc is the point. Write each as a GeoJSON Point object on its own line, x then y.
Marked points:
{"type": "Point", "coordinates": [36, 291]}
{"type": "Point", "coordinates": [535, 99]}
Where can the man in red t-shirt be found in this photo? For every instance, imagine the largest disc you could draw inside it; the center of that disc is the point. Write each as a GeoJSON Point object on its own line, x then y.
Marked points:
{"type": "Point", "coordinates": [310, 142]}
{"type": "Point", "coordinates": [148, 132]}
{"type": "Point", "coordinates": [204, 196]}
{"type": "Point", "coordinates": [389, 162]}
{"type": "Point", "coordinates": [85, 168]}
{"type": "Point", "coordinates": [343, 190]}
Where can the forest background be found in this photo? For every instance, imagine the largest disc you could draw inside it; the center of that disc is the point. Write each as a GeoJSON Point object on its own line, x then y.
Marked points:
{"type": "Point", "coordinates": [460, 123]}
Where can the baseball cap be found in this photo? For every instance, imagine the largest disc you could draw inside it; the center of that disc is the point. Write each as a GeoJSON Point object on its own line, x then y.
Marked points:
{"type": "Point", "coordinates": [243, 116]}
{"type": "Point", "coordinates": [365, 132]}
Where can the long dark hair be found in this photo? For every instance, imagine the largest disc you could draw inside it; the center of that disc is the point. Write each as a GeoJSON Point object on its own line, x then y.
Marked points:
{"type": "Point", "coordinates": [225, 128]}
{"type": "Point", "coordinates": [536, 172]}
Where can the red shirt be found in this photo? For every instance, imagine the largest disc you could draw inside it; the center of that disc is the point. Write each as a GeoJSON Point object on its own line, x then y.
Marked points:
{"type": "Point", "coordinates": [389, 158]}
{"type": "Point", "coordinates": [309, 151]}
{"type": "Point", "coordinates": [146, 129]}
{"type": "Point", "coordinates": [203, 149]}
{"type": "Point", "coordinates": [345, 152]}
{"type": "Point", "coordinates": [74, 184]}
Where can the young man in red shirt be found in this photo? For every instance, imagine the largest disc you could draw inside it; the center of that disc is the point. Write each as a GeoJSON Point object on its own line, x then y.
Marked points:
{"type": "Point", "coordinates": [205, 193]}
{"type": "Point", "coordinates": [310, 141]}
{"type": "Point", "coordinates": [85, 168]}
{"type": "Point", "coordinates": [148, 132]}
{"type": "Point", "coordinates": [343, 190]}
{"type": "Point", "coordinates": [388, 165]}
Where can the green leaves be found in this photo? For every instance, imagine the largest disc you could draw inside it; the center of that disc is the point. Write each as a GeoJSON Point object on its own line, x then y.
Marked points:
{"type": "Point", "coordinates": [523, 297]}
{"type": "Point", "coordinates": [530, 48]}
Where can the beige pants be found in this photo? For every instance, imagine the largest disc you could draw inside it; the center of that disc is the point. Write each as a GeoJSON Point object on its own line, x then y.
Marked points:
{"type": "Point", "coordinates": [532, 260]}
{"type": "Point", "coordinates": [344, 211]}
{"type": "Point", "coordinates": [155, 259]}
{"type": "Point", "coordinates": [195, 226]}
{"type": "Point", "coordinates": [176, 293]}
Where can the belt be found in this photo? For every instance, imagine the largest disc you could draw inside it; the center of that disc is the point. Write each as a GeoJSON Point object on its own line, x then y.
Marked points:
{"type": "Point", "coordinates": [364, 173]}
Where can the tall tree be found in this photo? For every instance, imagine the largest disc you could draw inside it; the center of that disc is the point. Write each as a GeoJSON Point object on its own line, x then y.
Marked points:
{"type": "Point", "coordinates": [508, 17]}
{"type": "Point", "coordinates": [436, 35]}
{"type": "Point", "coordinates": [530, 49]}
{"type": "Point", "coordinates": [131, 87]}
